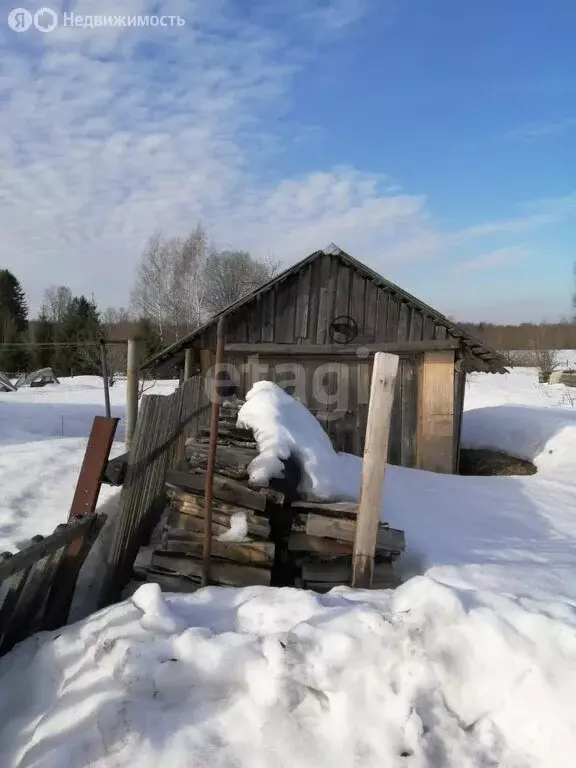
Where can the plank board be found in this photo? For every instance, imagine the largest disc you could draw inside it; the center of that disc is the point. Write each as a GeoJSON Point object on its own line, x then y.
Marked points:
{"type": "Point", "coordinates": [228, 574]}
{"type": "Point", "coordinates": [387, 539]}
{"type": "Point", "coordinates": [224, 489]}
{"type": "Point", "coordinates": [435, 448]}
{"type": "Point", "coordinates": [220, 524]}
{"type": "Point", "coordinates": [302, 542]}
{"type": "Point", "coordinates": [338, 509]}
{"type": "Point", "coordinates": [93, 466]}
{"type": "Point", "coordinates": [302, 305]}
{"type": "Point", "coordinates": [191, 543]}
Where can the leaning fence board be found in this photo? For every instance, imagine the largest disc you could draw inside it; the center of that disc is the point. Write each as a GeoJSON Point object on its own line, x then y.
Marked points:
{"type": "Point", "coordinates": [25, 618]}
{"type": "Point", "coordinates": [26, 557]}
{"type": "Point", "coordinates": [33, 580]}
{"type": "Point", "coordinates": [93, 466]}
{"type": "Point", "coordinates": [142, 499]}
{"type": "Point", "coordinates": [66, 575]}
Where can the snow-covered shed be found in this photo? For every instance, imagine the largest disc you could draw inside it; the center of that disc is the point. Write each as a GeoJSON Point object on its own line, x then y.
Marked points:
{"type": "Point", "coordinates": [314, 329]}
{"type": "Point", "coordinates": [38, 378]}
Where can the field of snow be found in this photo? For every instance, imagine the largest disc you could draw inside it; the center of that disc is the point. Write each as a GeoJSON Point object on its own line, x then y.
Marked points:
{"type": "Point", "coordinates": [43, 435]}
{"type": "Point", "coordinates": [470, 665]}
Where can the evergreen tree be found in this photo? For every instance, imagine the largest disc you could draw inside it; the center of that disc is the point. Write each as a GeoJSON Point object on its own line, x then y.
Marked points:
{"type": "Point", "coordinates": [13, 323]}
{"type": "Point", "coordinates": [81, 323]}
{"type": "Point", "coordinates": [43, 332]}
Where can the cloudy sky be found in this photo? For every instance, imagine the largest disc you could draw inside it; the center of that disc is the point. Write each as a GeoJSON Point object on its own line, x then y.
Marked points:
{"type": "Point", "coordinates": [436, 141]}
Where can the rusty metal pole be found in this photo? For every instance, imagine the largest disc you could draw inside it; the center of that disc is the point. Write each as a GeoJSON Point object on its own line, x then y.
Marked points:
{"type": "Point", "coordinates": [209, 479]}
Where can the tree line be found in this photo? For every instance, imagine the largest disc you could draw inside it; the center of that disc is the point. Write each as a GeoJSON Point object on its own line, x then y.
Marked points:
{"type": "Point", "coordinates": [179, 284]}
{"type": "Point", "coordinates": [525, 336]}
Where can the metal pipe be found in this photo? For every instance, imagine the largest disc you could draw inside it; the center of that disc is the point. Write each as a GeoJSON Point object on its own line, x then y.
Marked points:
{"type": "Point", "coordinates": [105, 377]}
{"type": "Point", "coordinates": [131, 391]}
{"type": "Point", "coordinates": [209, 479]}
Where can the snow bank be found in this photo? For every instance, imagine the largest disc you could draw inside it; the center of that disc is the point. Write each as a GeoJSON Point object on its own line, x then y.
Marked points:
{"type": "Point", "coordinates": [545, 436]}
{"type": "Point", "coordinates": [282, 426]}
{"type": "Point", "coordinates": [508, 534]}
{"type": "Point", "coordinates": [43, 436]}
{"type": "Point", "coordinates": [259, 677]}
{"type": "Point", "coordinates": [516, 414]}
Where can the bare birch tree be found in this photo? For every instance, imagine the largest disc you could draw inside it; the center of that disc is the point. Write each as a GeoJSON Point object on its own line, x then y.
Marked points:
{"type": "Point", "coordinates": [152, 292]}
{"type": "Point", "coordinates": [181, 282]}
{"type": "Point", "coordinates": [57, 299]}
{"type": "Point", "coordinates": [231, 275]}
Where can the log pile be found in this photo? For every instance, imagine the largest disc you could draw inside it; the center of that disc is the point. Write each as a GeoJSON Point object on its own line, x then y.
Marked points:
{"type": "Point", "coordinates": [322, 539]}
{"type": "Point", "coordinates": [278, 540]}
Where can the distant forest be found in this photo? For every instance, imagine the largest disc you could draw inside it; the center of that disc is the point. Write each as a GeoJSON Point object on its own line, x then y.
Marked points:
{"type": "Point", "coordinates": [524, 336]}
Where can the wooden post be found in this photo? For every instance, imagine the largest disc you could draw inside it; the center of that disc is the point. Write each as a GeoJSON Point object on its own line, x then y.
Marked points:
{"type": "Point", "coordinates": [211, 460]}
{"type": "Point", "coordinates": [373, 467]}
{"type": "Point", "coordinates": [105, 377]}
{"type": "Point", "coordinates": [435, 439]}
{"type": "Point", "coordinates": [188, 361]}
{"type": "Point", "coordinates": [131, 392]}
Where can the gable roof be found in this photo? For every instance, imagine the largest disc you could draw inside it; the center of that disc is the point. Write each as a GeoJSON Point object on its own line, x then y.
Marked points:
{"type": "Point", "coordinates": [486, 357]}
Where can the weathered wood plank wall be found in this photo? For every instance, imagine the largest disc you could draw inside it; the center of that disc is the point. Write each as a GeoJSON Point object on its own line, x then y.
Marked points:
{"type": "Point", "coordinates": [300, 310]}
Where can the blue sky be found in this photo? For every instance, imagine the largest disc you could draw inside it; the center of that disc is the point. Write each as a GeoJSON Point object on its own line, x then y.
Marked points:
{"type": "Point", "coordinates": [435, 141]}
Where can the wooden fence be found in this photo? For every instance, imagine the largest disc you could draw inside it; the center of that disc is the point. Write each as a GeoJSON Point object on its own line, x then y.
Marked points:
{"type": "Point", "coordinates": [164, 423]}
{"type": "Point", "coordinates": [37, 584]}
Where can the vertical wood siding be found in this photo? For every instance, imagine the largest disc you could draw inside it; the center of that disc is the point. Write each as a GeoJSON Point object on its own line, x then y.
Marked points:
{"type": "Point", "coordinates": [300, 309]}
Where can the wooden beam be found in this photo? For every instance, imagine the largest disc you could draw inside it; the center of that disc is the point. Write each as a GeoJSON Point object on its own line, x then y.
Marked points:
{"type": "Point", "coordinates": [339, 350]}
{"type": "Point", "coordinates": [188, 363]}
{"type": "Point", "coordinates": [93, 466]}
{"type": "Point", "coordinates": [132, 377]}
{"type": "Point", "coordinates": [224, 489]}
{"type": "Point", "coordinates": [373, 467]}
{"type": "Point", "coordinates": [435, 440]}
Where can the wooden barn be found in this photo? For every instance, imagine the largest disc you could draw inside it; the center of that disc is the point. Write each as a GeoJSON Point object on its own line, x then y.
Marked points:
{"type": "Point", "coordinates": [314, 330]}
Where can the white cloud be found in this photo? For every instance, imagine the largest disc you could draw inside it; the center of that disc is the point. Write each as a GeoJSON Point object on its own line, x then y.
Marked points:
{"type": "Point", "coordinates": [536, 131]}
{"type": "Point", "coordinates": [112, 133]}
{"type": "Point", "coordinates": [493, 258]}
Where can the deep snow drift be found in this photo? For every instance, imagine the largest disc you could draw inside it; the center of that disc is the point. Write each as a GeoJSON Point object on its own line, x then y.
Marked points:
{"type": "Point", "coordinates": [471, 666]}
{"type": "Point", "coordinates": [259, 677]}
{"type": "Point", "coordinates": [511, 534]}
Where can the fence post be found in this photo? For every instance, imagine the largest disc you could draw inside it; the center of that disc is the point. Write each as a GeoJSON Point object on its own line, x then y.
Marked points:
{"type": "Point", "coordinates": [188, 358]}
{"type": "Point", "coordinates": [131, 392]}
{"type": "Point", "coordinates": [211, 461]}
{"type": "Point", "coordinates": [373, 467]}
{"type": "Point", "coordinates": [105, 377]}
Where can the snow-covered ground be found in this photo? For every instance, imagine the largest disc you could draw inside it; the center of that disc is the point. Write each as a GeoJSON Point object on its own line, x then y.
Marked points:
{"type": "Point", "coordinates": [43, 435]}
{"type": "Point", "coordinates": [472, 664]}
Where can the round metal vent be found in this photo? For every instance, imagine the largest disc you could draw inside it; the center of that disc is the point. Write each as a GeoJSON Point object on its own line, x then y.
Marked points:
{"type": "Point", "coordinates": [343, 329]}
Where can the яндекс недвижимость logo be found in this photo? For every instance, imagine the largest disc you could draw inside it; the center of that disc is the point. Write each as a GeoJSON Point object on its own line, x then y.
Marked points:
{"type": "Point", "coordinates": [44, 20]}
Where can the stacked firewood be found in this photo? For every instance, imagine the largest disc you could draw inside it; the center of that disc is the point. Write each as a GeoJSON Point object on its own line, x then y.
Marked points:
{"type": "Point", "coordinates": [322, 539]}
{"type": "Point", "coordinates": [260, 536]}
